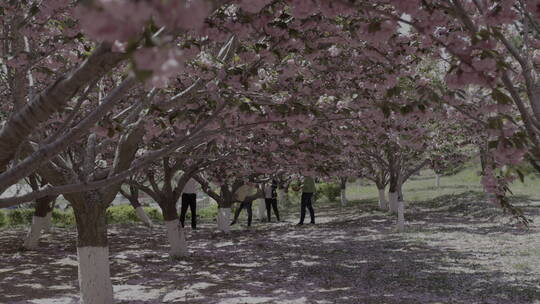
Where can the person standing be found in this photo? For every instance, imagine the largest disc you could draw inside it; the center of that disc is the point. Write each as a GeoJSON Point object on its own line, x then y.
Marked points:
{"type": "Point", "coordinates": [189, 199]}
{"type": "Point", "coordinates": [308, 189]}
{"type": "Point", "coordinates": [244, 195]}
{"type": "Point", "coordinates": [270, 199]}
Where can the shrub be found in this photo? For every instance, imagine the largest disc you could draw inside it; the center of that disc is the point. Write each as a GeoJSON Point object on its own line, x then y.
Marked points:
{"type": "Point", "coordinates": [63, 218]}
{"type": "Point", "coordinates": [209, 212]}
{"type": "Point", "coordinates": [20, 216]}
{"type": "Point", "coordinates": [330, 190]}
{"type": "Point", "coordinates": [121, 214]}
{"type": "Point", "coordinates": [3, 220]}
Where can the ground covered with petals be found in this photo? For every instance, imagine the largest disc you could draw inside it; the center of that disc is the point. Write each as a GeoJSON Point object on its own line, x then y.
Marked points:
{"type": "Point", "coordinates": [456, 249]}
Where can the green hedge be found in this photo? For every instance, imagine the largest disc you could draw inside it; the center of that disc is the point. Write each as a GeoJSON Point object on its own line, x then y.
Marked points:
{"type": "Point", "coordinates": [17, 217]}
{"type": "Point", "coordinates": [209, 212]}
{"type": "Point", "coordinates": [63, 218]}
{"type": "Point", "coordinates": [115, 215]}
{"type": "Point", "coordinates": [124, 214]}
{"type": "Point", "coordinates": [330, 190]}
{"type": "Point", "coordinates": [3, 219]}
{"type": "Point", "coordinates": [121, 214]}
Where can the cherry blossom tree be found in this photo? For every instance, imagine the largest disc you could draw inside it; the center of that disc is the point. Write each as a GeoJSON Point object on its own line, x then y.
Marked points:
{"type": "Point", "coordinates": [108, 88]}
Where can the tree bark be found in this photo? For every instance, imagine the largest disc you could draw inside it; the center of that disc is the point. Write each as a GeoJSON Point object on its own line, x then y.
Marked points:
{"type": "Point", "coordinates": [343, 197]}
{"type": "Point", "coordinates": [383, 203]}
{"type": "Point", "coordinates": [393, 202]}
{"type": "Point", "coordinates": [176, 238]}
{"type": "Point", "coordinates": [281, 196]}
{"type": "Point", "coordinates": [133, 198]}
{"type": "Point", "coordinates": [401, 216]}
{"type": "Point", "coordinates": [400, 192]}
{"type": "Point", "coordinates": [343, 186]}
{"type": "Point", "coordinates": [91, 221]}
{"type": "Point", "coordinates": [39, 222]}
{"type": "Point", "coordinates": [143, 216]}
{"type": "Point", "coordinates": [92, 249]}
{"type": "Point", "coordinates": [261, 210]}
{"type": "Point", "coordinates": [175, 234]}
{"type": "Point", "coordinates": [31, 241]}
{"type": "Point", "coordinates": [17, 129]}
{"type": "Point", "coordinates": [94, 275]}
{"type": "Point", "coordinates": [48, 222]}
{"type": "Point", "coordinates": [224, 219]}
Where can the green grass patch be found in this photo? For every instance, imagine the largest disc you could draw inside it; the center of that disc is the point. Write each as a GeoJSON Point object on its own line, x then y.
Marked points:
{"type": "Point", "coordinates": [422, 188]}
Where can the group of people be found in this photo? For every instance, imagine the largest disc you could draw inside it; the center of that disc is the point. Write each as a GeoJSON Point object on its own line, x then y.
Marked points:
{"type": "Point", "coordinates": [245, 195]}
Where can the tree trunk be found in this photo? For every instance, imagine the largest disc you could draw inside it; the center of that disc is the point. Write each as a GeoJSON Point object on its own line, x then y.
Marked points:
{"type": "Point", "coordinates": [175, 234]}
{"type": "Point", "coordinates": [133, 198]}
{"type": "Point", "coordinates": [343, 198]}
{"type": "Point", "coordinates": [437, 180]}
{"type": "Point", "coordinates": [48, 222]}
{"type": "Point", "coordinates": [400, 192]}
{"type": "Point", "coordinates": [383, 203]}
{"type": "Point", "coordinates": [343, 194]}
{"type": "Point", "coordinates": [93, 251]}
{"type": "Point", "coordinates": [143, 216]}
{"type": "Point", "coordinates": [393, 202]}
{"type": "Point", "coordinates": [286, 199]}
{"type": "Point", "coordinates": [401, 216]}
{"type": "Point", "coordinates": [261, 210]}
{"type": "Point", "coordinates": [176, 238]}
{"type": "Point", "coordinates": [134, 202]}
{"type": "Point", "coordinates": [224, 219]}
{"type": "Point", "coordinates": [94, 275]}
{"type": "Point", "coordinates": [39, 222]}
{"type": "Point", "coordinates": [32, 238]}
{"type": "Point", "coordinates": [281, 196]}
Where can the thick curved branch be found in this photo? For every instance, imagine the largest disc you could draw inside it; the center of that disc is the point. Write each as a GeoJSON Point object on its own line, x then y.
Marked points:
{"type": "Point", "coordinates": [54, 98]}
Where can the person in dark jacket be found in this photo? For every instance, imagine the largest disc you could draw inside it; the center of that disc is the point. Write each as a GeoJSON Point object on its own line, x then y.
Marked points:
{"type": "Point", "coordinates": [270, 200]}
{"type": "Point", "coordinates": [189, 199]}
{"type": "Point", "coordinates": [308, 189]}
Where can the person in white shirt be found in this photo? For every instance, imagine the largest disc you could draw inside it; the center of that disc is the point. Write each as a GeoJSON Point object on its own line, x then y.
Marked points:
{"type": "Point", "coordinates": [189, 198]}
{"type": "Point", "coordinates": [270, 199]}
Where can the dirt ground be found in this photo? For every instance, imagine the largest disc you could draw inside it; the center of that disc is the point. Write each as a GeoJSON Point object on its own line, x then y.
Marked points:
{"type": "Point", "coordinates": [455, 250]}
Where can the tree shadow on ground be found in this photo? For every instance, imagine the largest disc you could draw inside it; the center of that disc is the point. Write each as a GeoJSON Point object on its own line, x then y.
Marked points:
{"type": "Point", "coordinates": [351, 256]}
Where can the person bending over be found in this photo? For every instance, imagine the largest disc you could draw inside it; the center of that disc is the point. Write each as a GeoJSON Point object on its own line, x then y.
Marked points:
{"type": "Point", "coordinates": [244, 195]}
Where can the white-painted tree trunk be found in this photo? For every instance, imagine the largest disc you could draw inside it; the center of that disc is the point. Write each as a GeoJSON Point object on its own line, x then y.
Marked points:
{"type": "Point", "coordinates": [287, 199]}
{"type": "Point", "coordinates": [143, 216]}
{"type": "Point", "coordinates": [401, 216]}
{"type": "Point", "coordinates": [32, 238]}
{"type": "Point", "coordinates": [177, 239]}
{"type": "Point", "coordinates": [280, 196]}
{"type": "Point", "coordinates": [224, 219]}
{"type": "Point", "coordinates": [437, 180]}
{"type": "Point", "coordinates": [261, 210]}
{"type": "Point", "coordinates": [94, 275]}
{"type": "Point", "coordinates": [393, 202]}
{"type": "Point", "coordinates": [283, 197]}
{"type": "Point", "coordinates": [343, 197]}
{"type": "Point", "coordinates": [383, 203]}
{"type": "Point", "coordinates": [48, 222]}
